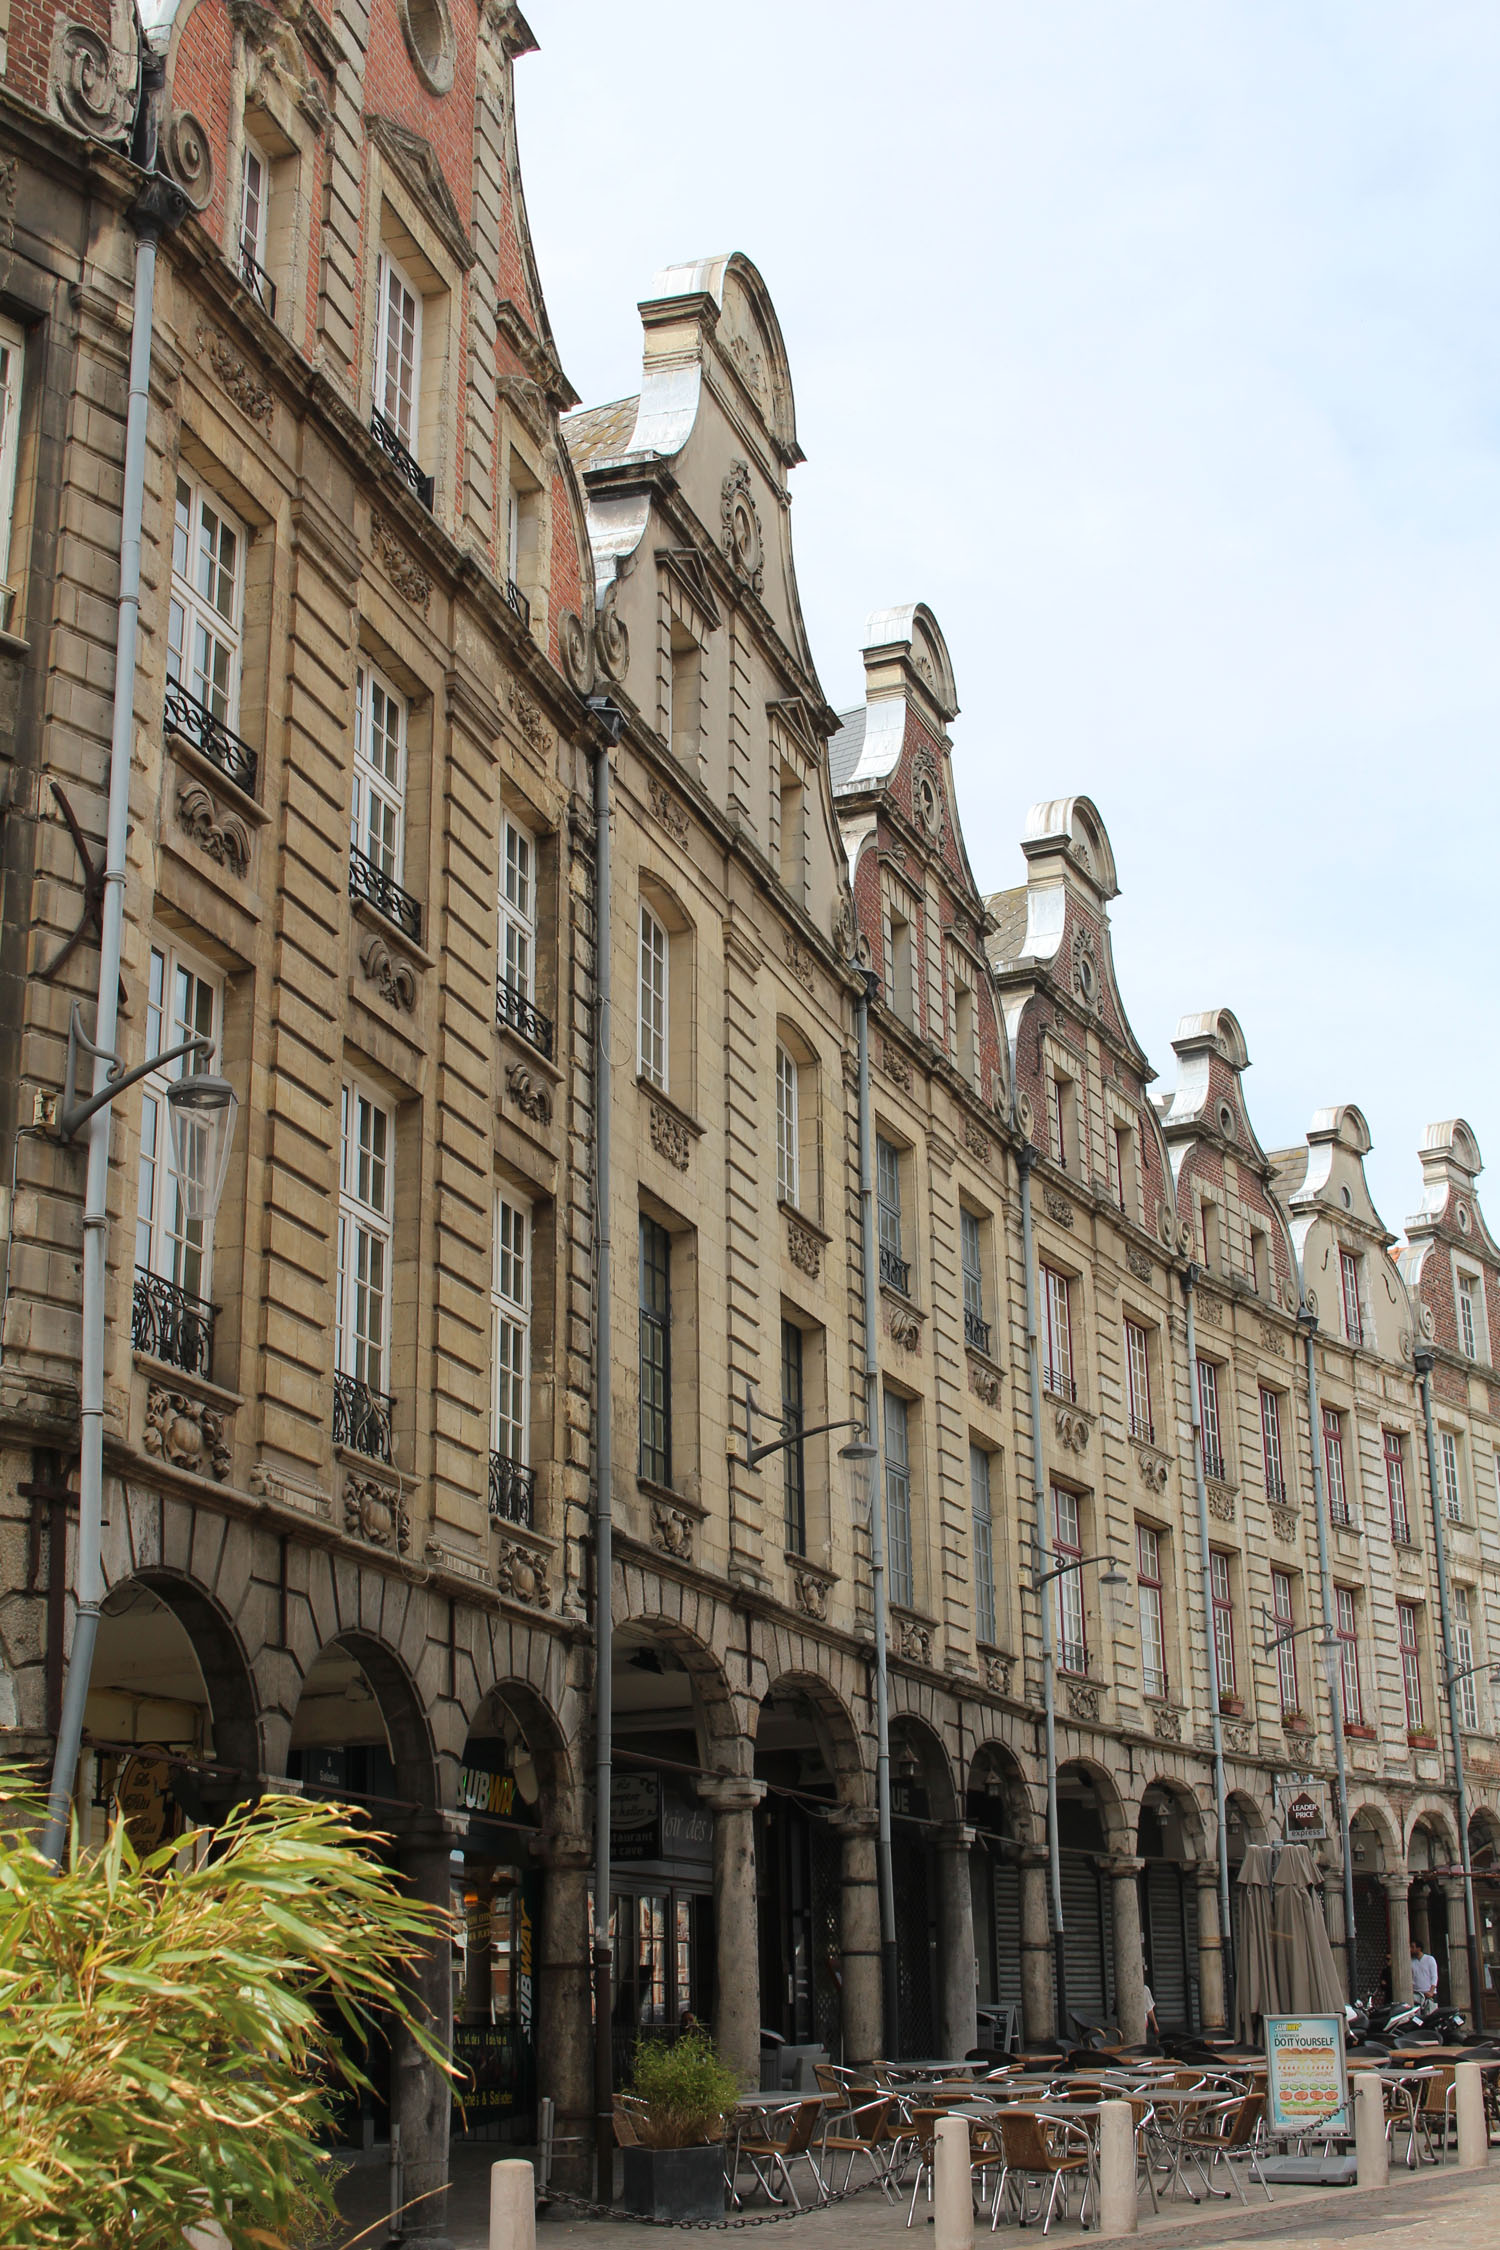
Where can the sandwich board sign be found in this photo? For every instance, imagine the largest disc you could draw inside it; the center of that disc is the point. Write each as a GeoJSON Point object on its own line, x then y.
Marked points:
{"type": "Point", "coordinates": [1307, 2079]}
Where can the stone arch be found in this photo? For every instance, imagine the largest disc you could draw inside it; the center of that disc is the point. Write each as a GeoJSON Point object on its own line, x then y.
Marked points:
{"type": "Point", "coordinates": [403, 1713]}
{"type": "Point", "coordinates": [995, 1769]}
{"type": "Point", "coordinates": [1243, 1814]}
{"type": "Point", "coordinates": [1374, 1818]}
{"type": "Point", "coordinates": [1117, 1826]}
{"type": "Point", "coordinates": [1432, 1819]}
{"type": "Point", "coordinates": [914, 1737]}
{"type": "Point", "coordinates": [839, 1737]}
{"type": "Point", "coordinates": [1180, 1811]}
{"type": "Point", "coordinates": [1484, 1837]}
{"type": "Point", "coordinates": [695, 1630]}
{"type": "Point", "coordinates": [222, 1660]}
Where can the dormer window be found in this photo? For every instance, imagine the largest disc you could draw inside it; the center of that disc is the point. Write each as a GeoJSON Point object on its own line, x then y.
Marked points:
{"type": "Point", "coordinates": [1062, 1120]}
{"type": "Point", "coordinates": [1354, 1327]}
{"type": "Point", "coordinates": [1470, 1314]}
{"type": "Point", "coordinates": [522, 526]}
{"type": "Point", "coordinates": [901, 971]}
{"type": "Point", "coordinates": [255, 213]}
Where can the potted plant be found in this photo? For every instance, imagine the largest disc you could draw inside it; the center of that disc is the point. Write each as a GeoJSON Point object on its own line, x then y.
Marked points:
{"type": "Point", "coordinates": [683, 2093]}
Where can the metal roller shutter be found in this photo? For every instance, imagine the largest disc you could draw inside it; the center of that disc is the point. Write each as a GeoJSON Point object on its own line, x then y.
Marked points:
{"type": "Point", "coordinates": [1172, 1945]}
{"type": "Point", "coordinates": [1090, 1980]}
{"type": "Point", "coordinates": [1006, 1881]}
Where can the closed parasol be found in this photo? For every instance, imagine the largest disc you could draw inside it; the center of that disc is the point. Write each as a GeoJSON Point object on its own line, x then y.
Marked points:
{"type": "Point", "coordinates": [1285, 1962]}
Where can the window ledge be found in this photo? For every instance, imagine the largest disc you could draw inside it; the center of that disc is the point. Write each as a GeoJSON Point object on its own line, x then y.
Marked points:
{"type": "Point", "coordinates": [533, 1055]}
{"type": "Point", "coordinates": [1358, 1732]}
{"type": "Point", "coordinates": [664, 1101]}
{"type": "Point", "coordinates": [672, 1498]}
{"type": "Point", "coordinates": [907, 1304]}
{"type": "Point", "coordinates": [203, 769]}
{"type": "Point", "coordinates": [368, 917]}
{"type": "Point", "coordinates": [795, 1211]}
{"type": "Point", "coordinates": [198, 1386]}
{"type": "Point", "coordinates": [12, 644]}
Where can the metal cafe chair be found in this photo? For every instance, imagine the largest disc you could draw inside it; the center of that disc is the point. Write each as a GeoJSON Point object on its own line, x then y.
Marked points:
{"type": "Point", "coordinates": [785, 2138]}
{"type": "Point", "coordinates": [1036, 2148]}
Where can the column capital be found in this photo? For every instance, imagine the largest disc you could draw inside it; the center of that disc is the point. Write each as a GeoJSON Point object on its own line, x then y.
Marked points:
{"type": "Point", "coordinates": [730, 1792]}
{"type": "Point", "coordinates": [562, 1849]}
{"type": "Point", "coordinates": [854, 1820]}
{"type": "Point", "coordinates": [954, 1836]}
{"type": "Point", "coordinates": [1396, 1886]}
{"type": "Point", "coordinates": [1452, 1886]}
{"type": "Point", "coordinates": [1121, 1864]}
{"type": "Point", "coordinates": [1205, 1874]}
{"type": "Point", "coordinates": [1033, 1855]}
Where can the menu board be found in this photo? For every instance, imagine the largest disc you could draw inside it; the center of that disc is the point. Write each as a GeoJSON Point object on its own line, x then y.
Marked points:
{"type": "Point", "coordinates": [1307, 2083]}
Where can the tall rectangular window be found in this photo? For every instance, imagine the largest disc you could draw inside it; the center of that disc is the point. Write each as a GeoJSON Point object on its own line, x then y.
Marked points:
{"type": "Point", "coordinates": [971, 1260]}
{"type": "Point", "coordinates": [1208, 1226]}
{"type": "Point", "coordinates": [1395, 1486]}
{"type": "Point", "coordinates": [1057, 1335]}
{"type": "Point", "coordinates": [655, 1463]}
{"type": "Point", "coordinates": [255, 205]}
{"type": "Point", "coordinates": [378, 806]}
{"type": "Point", "coordinates": [1283, 1609]}
{"type": "Point", "coordinates": [517, 909]}
{"type": "Point", "coordinates": [1060, 1133]}
{"type": "Point", "coordinates": [1270, 1438]}
{"type": "Point", "coordinates": [983, 1543]}
{"type": "Point", "coordinates": [1346, 1625]}
{"type": "Point", "coordinates": [965, 1039]}
{"type": "Point", "coordinates": [787, 1128]}
{"type": "Point", "coordinates": [1071, 1618]}
{"type": "Point", "coordinates": [205, 612]}
{"type": "Point", "coordinates": [398, 349]}
{"type": "Point", "coordinates": [1408, 1633]}
{"type": "Point", "coordinates": [1463, 1651]}
{"type": "Point", "coordinates": [11, 358]}
{"type": "Point", "coordinates": [362, 1335]}
{"type": "Point", "coordinates": [1468, 1314]}
{"type": "Point", "coordinates": [1260, 1261]}
{"type": "Point", "coordinates": [651, 1010]}
{"type": "Point", "coordinates": [894, 1268]}
{"type": "Point", "coordinates": [898, 1500]}
{"type": "Point", "coordinates": [1453, 1498]}
{"type": "Point", "coordinates": [792, 1418]}
{"type": "Point", "coordinates": [184, 1001]}
{"type": "Point", "coordinates": [1333, 1462]}
{"type": "Point", "coordinates": [1354, 1326]}
{"type": "Point", "coordinates": [1121, 1165]}
{"type": "Point", "coordinates": [1221, 1594]}
{"type": "Point", "coordinates": [1138, 1381]}
{"type": "Point", "coordinates": [1208, 1419]}
{"type": "Point", "coordinates": [1153, 1633]}
{"type": "Point", "coordinates": [510, 1332]}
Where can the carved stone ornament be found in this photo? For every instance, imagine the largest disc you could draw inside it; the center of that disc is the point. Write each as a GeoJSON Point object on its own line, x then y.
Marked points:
{"type": "Point", "coordinates": [403, 570]}
{"type": "Point", "coordinates": [1238, 1739]}
{"type": "Point", "coordinates": [1025, 1117]}
{"type": "Point", "coordinates": [912, 1641]}
{"type": "Point", "coordinates": [221, 834]}
{"type": "Point", "coordinates": [668, 811]}
{"type": "Point", "coordinates": [1086, 980]}
{"type": "Point", "coordinates": [742, 539]}
{"type": "Point", "coordinates": [576, 650]}
{"type": "Point", "coordinates": [844, 928]}
{"type": "Point", "coordinates": [984, 1383]}
{"type": "Point", "coordinates": [1210, 1311]}
{"type": "Point", "coordinates": [672, 1530]}
{"type": "Point", "coordinates": [1220, 1504]}
{"type": "Point", "coordinates": [799, 961]}
{"type": "Point", "coordinates": [976, 1142]}
{"type": "Point", "coordinates": [1072, 1430]}
{"type": "Point", "coordinates": [88, 82]}
{"type": "Point", "coordinates": [185, 1433]}
{"type": "Point", "coordinates": [520, 1577]}
{"type": "Point", "coordinates": [803, 1248]}
{"type": "Point", "coordinates": [895, 1066]}
{"type": "Point", "coordinates": [670, 1137]}
{"type": "Point", "coordinates": [1084, 1699]}
{"type": "Point", "coordinates": [1288, 1299]}
{"type": "Point", "coordinates": [529, 1094]}
{"type": "Point", "coordinates": [428, 31]}
{"type": "Point", "coordinates": [392, 974]}
{"type": "Point", "coordinates": [1272, 1340]}
{"type": "Point", "coordinates": [529, 719]}
{"type": "Point", "coordinates": [810, 1593]}
{"type": "Point", "coordinates": [1057, 1207]}
{"type": "Point", "coordinates": [1166, 1724]}
{"type": "Point", "coordinates": [376, 1512]}
{"type": "Point", "coordinates": [997, 1671]}
{"type": "Point", "coordinates": [927, 797]}
{"type": "Point", "coordinates": [903, 1327]}
{"type": "Point", "coordinates": [1284, 1523]}
{"type": "Point", "coordinates": [239, 381]}
{"type": "Point", "coordinates": [1154, 1470]}
{"type": "Point", "coordinates": [611, 639]}
{"type": "Point", "coordinates": [849, 1064]}
{"type": "Point", "coordinates": [187, 157]}
{"type": "Point", "coordinates": [1140, 1265]}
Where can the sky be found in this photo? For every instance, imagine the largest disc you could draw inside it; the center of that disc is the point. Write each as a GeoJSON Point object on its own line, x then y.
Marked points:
{"type": "Point", "coordinates": [1156, 345]}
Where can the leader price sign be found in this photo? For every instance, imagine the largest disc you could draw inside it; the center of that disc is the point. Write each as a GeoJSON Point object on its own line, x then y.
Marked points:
{"type": "Point", "coordinates": [1304, 1813]}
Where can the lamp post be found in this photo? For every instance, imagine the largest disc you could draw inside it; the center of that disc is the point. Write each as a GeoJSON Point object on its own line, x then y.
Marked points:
{"type": "Point", "coordinates": [201, 1110]}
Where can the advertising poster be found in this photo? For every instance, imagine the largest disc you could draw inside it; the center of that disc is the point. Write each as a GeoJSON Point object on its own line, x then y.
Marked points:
{"type": "Point", "coordinates": [1306, 2080]}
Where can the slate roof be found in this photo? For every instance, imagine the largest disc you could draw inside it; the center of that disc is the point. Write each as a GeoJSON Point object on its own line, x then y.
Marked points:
{"type": "Point", "coordinates": [844, 749]}
{"type": "Point", "coordinates": [600, 433]}
{"type": "Point", "coordinates": [1008, 911]}
{"type": "Point", "coordinates": [1288, 1170]}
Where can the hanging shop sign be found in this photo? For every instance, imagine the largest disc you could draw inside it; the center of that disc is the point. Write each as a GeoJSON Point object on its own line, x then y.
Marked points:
{"type": "Point", "coordinates": [1303, 1805]}
{"type": "Point", "coordinates": [651, 1819]}
{"type": "Point", "coordinates": [1307, 2081]}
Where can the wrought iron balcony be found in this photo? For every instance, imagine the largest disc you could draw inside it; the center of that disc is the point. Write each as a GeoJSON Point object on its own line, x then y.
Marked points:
{"type": "Point", "coordinates": [388, 438]}
{"type": "Point", "coordinates": [1213, 1461]}
{"type": "Point", "coordinates": [513, 1009]}
{"type": "Point", "coordinates": [168, 1324]}
{"type": "Point", "coordinates": [976, 1332]}
{"type": "Point", "coordinates": [895, 1272]}
{"type": "Point", "coordinates": [512, 1491]}
{"type": "Point", "coordinates": [1275, 1485]}
{"type": "Point", "coordinates": [376, 888]}
{"type": "Point", "coordinates": [362, 1418]}
{"type": "Point", "coordinates": [1057, 1384]}
{"type": "Point", "coordinates": [256, 279]}
{"type": "Point", "coordinates": [1142, 1426]}
{"type": "Point", "coordinates": [222, 747]}
{"type": "Point", "coordinates": [517, 601]}
{"type": "Point", "coordinates": [1340, 1512]}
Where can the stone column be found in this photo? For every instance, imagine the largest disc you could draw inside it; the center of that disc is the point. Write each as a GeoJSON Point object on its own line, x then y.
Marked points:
{"type": "Point", "coordinates": [1037, 2009]}
{"type": "Point", "coordinates": [859, 1935]}
{"type": "Point", "coordinates": [1396, 1891]}
{"type": "Point", "coordinates": [1130, 1955]}
{"type": "Point", "coordinates": [732, 1798]}
{"type": "Point", "coordinates": [1332, 1890]}
{"type": "Point", "coordinates": [1459, 1994]}
{"type": "Point", "coordinates": [1418, 1901]}
{"type": "Point", "coordinates": [421, 2099]}
{"type": "Point", "coordinates": [1210, 1947]}
{"type": "Point", "coordinates": [958, 2027]}
{"type": "Point", "coordinates": [564, 2022]}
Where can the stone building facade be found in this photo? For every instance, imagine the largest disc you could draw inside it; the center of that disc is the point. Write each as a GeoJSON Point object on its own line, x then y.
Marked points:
{"type": "Point", "coordinates": [390, 579]}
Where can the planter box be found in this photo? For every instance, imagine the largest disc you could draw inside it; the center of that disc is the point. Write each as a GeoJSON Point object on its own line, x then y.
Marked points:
{"type": "Point", "coordinates": [675, 2183]}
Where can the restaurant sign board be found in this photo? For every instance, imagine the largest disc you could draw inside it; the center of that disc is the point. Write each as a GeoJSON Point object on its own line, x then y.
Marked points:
{"type": "Point", "coordinates": [1307, 2080]}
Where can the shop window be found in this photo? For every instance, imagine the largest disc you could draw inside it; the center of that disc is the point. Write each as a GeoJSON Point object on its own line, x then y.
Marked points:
{"type": "Point", "coordinates": [172, 1317]}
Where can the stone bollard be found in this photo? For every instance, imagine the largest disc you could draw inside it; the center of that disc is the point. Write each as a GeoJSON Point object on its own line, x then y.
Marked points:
{"type": "Point", "coordinates": [1473, 2125]}
{"type": "Point", "coordinates": [1117, 2204]}
{"type": "Point", "coordinates": [952, 2189]}
{"type": "Point", "coordinates": [1371, 2153]}
{"type": "Point", "coordinates": [512, 2206]}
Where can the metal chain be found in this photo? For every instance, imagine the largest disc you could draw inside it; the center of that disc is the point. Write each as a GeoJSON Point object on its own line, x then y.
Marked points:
{"type": "Point", "coordinates": [589, 2210]}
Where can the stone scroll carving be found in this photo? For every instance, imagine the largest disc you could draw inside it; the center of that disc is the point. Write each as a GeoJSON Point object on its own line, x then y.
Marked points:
{"type": "Point", "coordinates": [520, 1576]}
{"type": "Point", "coordinates": [220, 834]}
{"type": "Point", "coordinates": [377, 1513]}
{"type": "Point", "coordinates": [670, 1137]}
{"type": "Point", "coordinates": [186, 1433]}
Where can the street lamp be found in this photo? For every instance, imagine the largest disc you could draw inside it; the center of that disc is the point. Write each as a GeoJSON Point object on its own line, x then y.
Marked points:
{"type": "Point", "coordinates": [792, 1433]}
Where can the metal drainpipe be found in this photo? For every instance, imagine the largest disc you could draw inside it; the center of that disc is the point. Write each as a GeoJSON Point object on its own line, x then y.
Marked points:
{"type": "Point", "coordinates": [1221, 1812]}
{"type": "Point", "coordinates": [884, 1873]}
{"type": "Point", "coordinates": [1026, 1156]}
{"type": "Point", "coordinates": [1334, 1672]}
{"type": "Point", "coordinates": [157, 209]}
{"type": "Point", "coordinates": [604, 2135]}
{"type": "Point", "coordinates": [1423, 1362]}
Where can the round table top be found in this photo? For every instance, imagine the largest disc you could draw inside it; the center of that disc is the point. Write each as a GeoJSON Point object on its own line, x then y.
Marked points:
{"type": "Point", "coordinates": [768, 2100]}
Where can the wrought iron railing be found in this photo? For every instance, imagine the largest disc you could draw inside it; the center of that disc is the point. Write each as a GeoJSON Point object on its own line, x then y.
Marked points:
{"type": "Point", "coordinates": [895, 1272]}
{"type": "Point", "coordinates": [1275, 1485]}
{"type": "Point", "coordinates": [222, 747]}
{"type": "Point", "coordinates": [1142, 1426]}
{"type": "Point", "coordinates": [976, 1332]}
{"type": "Point", "coordinates": [169, 1324]}
{"type": "Point", "coordinates": [256, 279]}
{"type": "Point", "coordinates": [377, 889]}
{"type": "Point", "coordinates": [517, 601]}
{"type": "Point", "coordinates": [1057, 1383]}
{"type": "Point", "coordinates": [1213, 1461]}
{"type": "Point", "coordinates": [1340, 1512]}
{"type": "Point", "coordinates": [391, 444]}
{"type": "Point", "coordinates": [513, 1009]}
{"type": "Point", "coordinates": [362, 1418]}
{"type": "Point", "coordinates": [512, 1491]}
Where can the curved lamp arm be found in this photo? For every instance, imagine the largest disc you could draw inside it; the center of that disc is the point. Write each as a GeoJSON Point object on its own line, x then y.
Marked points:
{"type": "Point", "coordinates": [74, 1113]}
